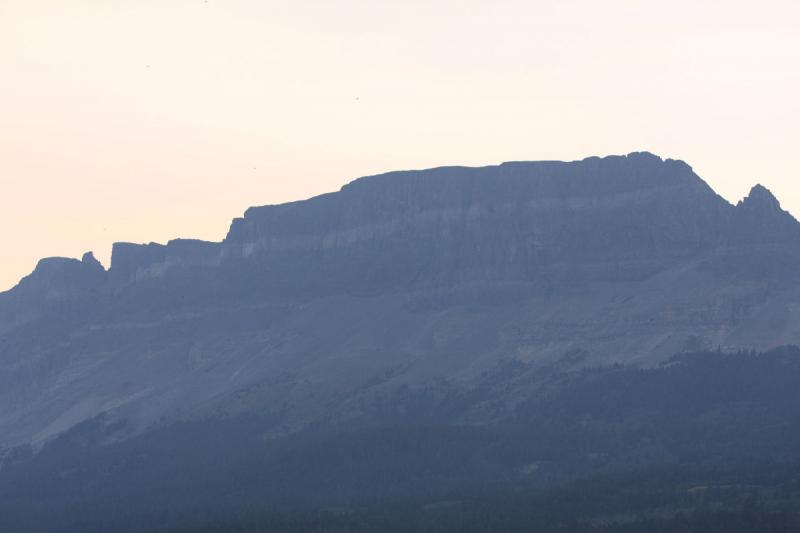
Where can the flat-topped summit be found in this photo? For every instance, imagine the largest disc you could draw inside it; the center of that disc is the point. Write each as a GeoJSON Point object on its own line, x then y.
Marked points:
{"type": "Point", "coordinates": [400, 279]}
{"type": "Point", "coordinates": [632, 171]}
{"type": "Point", "coordinates": [66, 272]}
{"type": "Point", "coordinates": [563, 207]}
{"type": "Point", "coordinates": [512, 221]}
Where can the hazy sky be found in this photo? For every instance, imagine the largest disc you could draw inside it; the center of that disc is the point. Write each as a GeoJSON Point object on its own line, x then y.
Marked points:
{"type": "Point", "coordinates": [152, 119]}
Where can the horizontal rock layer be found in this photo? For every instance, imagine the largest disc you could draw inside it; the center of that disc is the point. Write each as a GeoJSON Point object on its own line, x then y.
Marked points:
{"type": "Point", "coordinates": [315, 308]}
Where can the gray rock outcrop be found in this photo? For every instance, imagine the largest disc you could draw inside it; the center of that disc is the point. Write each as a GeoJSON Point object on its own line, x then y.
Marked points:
{"type": "Point", "coordinates": [314, 309]}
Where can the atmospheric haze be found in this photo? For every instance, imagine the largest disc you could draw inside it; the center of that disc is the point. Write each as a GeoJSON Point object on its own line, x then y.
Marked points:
{"type": "Point", "coordinates": [143, 121]}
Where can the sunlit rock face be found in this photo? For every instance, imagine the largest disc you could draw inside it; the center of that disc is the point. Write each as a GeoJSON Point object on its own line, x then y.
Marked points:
{"type": "Point", "coordinates": [432, 279]}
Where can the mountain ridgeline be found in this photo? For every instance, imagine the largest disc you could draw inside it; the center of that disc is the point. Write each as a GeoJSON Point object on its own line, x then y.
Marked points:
{"type": "Point", "coordinates": [450, 309]}
{"type": "Point", "coordinates": [613, 219]}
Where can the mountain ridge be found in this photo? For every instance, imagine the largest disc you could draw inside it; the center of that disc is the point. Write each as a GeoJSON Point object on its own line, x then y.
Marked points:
{"type": "Point", "coordinates": [316, 309]}
{"type": "Point", "coordinates": [759, 200]}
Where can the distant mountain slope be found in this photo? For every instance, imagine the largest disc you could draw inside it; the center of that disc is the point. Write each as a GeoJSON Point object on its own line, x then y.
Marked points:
{"type": "Point", "coordinates": [438, 279]}
{"type": "Point", "coordinates": [706, 432]}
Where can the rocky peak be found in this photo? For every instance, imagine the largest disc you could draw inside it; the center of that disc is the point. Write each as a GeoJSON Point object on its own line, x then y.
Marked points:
{"type": "Point", "coordinates": [761, 199]}
{"type": "Point", "coordinates": [759, 218]}
{"type": "Point", "coordinates": [91, 262]}
{"type": "Point", "coordinates": [60, 278]}
{"type": "Point", "coordinates": [66, 272]}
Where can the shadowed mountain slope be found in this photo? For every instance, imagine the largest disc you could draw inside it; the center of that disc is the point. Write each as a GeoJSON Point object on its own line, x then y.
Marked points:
{"type": "Point", "coordinates": [440, 279]}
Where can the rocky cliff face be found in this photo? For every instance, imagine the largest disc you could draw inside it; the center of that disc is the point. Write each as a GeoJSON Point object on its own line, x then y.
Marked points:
{"type": "Point", "coordinates": [438, 278]}
{"type": "Point", "coordinates": [132, 263]}
{"type": "Point", "coordinates": [55, 282]}
{"type": "Point", "coordinates": [514, 222]}
{"type": "Point", "coordinates": [759, 219]}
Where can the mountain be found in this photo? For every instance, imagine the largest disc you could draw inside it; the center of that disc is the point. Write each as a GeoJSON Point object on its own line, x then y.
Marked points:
{"type": "Point", "coordinates": [414, 334]}
{"type": "Point", "coordinates": [313, 310]}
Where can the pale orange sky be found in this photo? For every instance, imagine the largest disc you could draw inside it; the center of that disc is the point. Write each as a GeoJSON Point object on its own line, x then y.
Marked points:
{"type": "Point", "coordinates": [148, 120]}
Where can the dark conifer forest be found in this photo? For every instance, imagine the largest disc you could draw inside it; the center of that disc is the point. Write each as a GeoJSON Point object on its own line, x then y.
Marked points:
{"type": "Point", "coordinates": [704, 442]}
